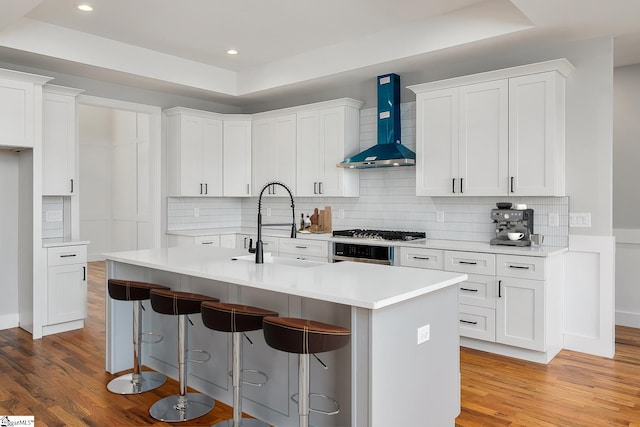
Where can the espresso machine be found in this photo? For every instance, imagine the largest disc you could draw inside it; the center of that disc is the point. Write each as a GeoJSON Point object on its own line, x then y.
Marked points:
{"type": "Point", "coordinates": [514, 227]}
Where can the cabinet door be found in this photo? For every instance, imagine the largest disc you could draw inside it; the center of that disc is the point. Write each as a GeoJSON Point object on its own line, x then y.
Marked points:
{"type": "Point", "coordinates": [237, 158]}
{"type": "Point", "coordinates": [309, 153]}
{"type": "Point", "coordinates": [536, 135]}
{"type": "Point", "coordinates": [274, 154]}
{"type": "Point", "coordinates": [58, 144]}
{"type": "Point", "coordinates": [185, 140]}
{"type": "Point", "coordinates": [332, 134]}
{"type": "Point", "coordinates": [483, 144]}
{"type": "Point", "coordinates": [437, 143]}
{"type": "Point", "coordinates": [17, 111]}
{"type": "Point", "coordinates": [211, 157]}
{"type": "Point", "coordinates": [66, 293]}
{"type": "Point", "coordinates": [520, 313]}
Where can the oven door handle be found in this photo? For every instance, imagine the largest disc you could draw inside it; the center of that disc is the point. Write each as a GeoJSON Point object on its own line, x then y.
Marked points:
{"type": "Point", "coordinates": [335, 258]}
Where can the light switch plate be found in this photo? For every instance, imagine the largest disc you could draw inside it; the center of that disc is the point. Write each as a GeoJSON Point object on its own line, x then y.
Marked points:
{"type": "Point", "coordinates": [424, 334]}
{"type": "Point", "coordinates": [580, 220]}
{"type": "Point", "coordinates": [554, 220]}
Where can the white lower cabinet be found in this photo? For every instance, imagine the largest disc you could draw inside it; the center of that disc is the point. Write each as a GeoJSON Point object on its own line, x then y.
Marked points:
{"type": "Point", "coordinates": [305, 249]}
{"type": "Point", "coordinates": [66, 284]}
{"type": "Point", "coordinates": [509, 305]}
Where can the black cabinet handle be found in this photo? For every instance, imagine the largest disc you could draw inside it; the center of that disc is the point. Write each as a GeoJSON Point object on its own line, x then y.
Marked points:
{"type": "Point", "coordinates": [206, 189]}
{"type": "Point", "coordinates": [499, 288]}
{"type": "Point", "coordinates": [519, 267]}
{"type": "Point", "coordinates": [67, 256]}
{"type": "Point", "coordinates": [453, 186]}
{"type": "Point", "coordinates": [468, 262]}
{"type": "Point", "coordinates": [422, 258]}
{"type": "Point", "coordinates": [511, 184]}
{"type": "Point", "coordinates": [468, 290]}
{"type": "Point", "coordinates": [84, 274]}
{"type": "Point", "coordinates": [461, 179]}
{"type": "Point", "coordinates": [301, 247]}
{"type": "Point", "coordinates": [468, 322]}
{"type": "Point", "coordinates": [320, 187]}
{"type": "Point", "coordinates": [200, 188]}
{"type": "Point", "coordinates": [72, 185]}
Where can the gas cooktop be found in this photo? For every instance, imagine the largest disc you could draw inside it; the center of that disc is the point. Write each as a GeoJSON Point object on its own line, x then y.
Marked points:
{"type": "Point", "coordinates": [380, 234]}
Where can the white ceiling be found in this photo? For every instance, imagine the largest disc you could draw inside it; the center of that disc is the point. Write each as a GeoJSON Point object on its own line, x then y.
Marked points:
{"type": "Point", "coordinates": [287, 46]}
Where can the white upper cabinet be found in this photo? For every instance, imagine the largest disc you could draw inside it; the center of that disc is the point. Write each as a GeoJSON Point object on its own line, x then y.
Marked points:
{"type": "Point", "coordinates": [493, 134]}
{"type": "Point", "coordinates": [274, 154]}
{"type": "Point", "coordinates": [237, 157]}
{"type": "Point", "coordinates": [325, 137]}
{"type": "Point", "coordinates": [20, 95]}
{"type": "Point", "coordinates": [536, 135]}
{"type": "Point", "coordinates": [194, 152]}
{"type": "Point", "coordinates": [59, 141]}
{"type": "Point", "coordinates": [462, 143]}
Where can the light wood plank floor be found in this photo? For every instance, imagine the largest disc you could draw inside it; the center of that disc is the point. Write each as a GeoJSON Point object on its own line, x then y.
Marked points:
{"type": "Point", "coordinates": [61, 380]}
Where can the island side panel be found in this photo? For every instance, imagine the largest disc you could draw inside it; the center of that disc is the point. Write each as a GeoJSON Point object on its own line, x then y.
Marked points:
{"type": "Point", "coordinates": [411, 383]}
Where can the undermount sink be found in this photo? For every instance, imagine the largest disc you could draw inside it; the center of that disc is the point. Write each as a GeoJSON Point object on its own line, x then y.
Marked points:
{"type": "Point", "coordinates": [268, 259]}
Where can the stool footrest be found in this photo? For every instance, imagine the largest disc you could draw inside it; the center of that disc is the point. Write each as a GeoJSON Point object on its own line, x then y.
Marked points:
{"type": "Point", "coordinates": [319, 411]}
{"type": "Point", "coordinates": [205, 352]}
{"type": "Point", "coordinates": [151, 334]}
{"type": "Point", "coordinates": [254, 371]}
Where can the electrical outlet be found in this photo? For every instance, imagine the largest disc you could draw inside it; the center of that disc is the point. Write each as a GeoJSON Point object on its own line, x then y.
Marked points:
{"type": "Point", "coordinates": [424, 334]}
{"type": "Point", "coordinates": [341, 213]}
{"type": "Point", "coordinates": [554, 220]}
{"type": "Point", "coordinates": [440, 216]}
{"type": "Point", "coordinates": [53, 216]}
{"type": "Point", "coordinates": [196, 211]}
{"type": "Point", "coordinates": [268, 211]}
{"type": "Point", "coordinates": [580, 220]}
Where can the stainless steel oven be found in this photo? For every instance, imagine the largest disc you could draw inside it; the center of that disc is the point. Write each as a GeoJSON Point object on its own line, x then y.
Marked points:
{"type": "Point", "coordinates": [356, 252]}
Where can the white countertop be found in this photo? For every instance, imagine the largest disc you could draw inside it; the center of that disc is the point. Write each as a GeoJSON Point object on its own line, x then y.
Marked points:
{"type": "Point", "coordinates": [356, 284]}
{"type": "Point", "coordinates": [452, 245]}
{"type": "Point", "coordinates": [54, 244]}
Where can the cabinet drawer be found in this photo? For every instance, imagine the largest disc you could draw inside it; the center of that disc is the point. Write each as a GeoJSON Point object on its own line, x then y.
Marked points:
{"type": "Point", "coordinates": [207, 240]}
{"type": "Point", "coordinates": [470, 262]}
{"type": "Point", "coordinates": [303, 247]}
{"type": "Point", "coordinates": [306, 258]}
{"type": "Point", "coordinates": [478, 290]}
{"type": "Point", "coordinates": [65, 255]}
{"type": "Point", "coordinates": [477, 322]}
{"type": "Point", "coordinates": [522, 267]}
{"type": "Point", "coordinates": [422, 258]}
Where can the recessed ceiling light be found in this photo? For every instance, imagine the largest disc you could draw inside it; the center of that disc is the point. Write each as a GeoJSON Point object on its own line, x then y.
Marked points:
{"type": "Point", "coordinates": [232, 52]}
{"type": "Point", "coordinates": [85, 8]}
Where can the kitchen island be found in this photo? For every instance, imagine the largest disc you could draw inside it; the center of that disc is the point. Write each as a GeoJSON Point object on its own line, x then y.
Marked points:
{"type": "Point", "coordinates": [383, 377]}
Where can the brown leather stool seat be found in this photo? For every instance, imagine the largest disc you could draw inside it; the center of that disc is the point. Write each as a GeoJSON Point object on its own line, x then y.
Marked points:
{"type": "Point", "coordinates": [176, 302]}
{"type": "Point", "coordinates": [236, 319]}
{"type": "Point", "coordinates": [182, 406]}
{"type": "Point", "coordinates": [129, 290]}
{"type": "Point", "coordinates": [302, 336]}
{"type": "Point", "coordinates": [136, 381]}
{"type": "Point", "coordinates": [225, 317]}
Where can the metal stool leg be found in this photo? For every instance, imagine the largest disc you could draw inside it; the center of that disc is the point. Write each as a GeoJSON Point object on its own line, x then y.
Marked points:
{"type": "Point", "coordinates": [303, 389]}
{"type": "Point", "coordinates": [236, 381]}
{"type": "Point", "coordinates": [137, 381]}
{"type": "Point", "coordinates": [184, 406]}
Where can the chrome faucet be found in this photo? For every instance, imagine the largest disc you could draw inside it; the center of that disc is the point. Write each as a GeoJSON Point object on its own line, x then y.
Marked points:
{"type": "Point", "coordinates": [259, 249]}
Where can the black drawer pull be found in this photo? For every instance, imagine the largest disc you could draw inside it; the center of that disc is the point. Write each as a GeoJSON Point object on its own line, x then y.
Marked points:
{"type": "Point", "coordinates": [468, 262]}
{"type": "Point", "coordinates": [468, 290]}
{"type": "Point", "coordinates": [519, 267]}
{"type": "Point", "coordinates": [84, 273]}
{"type": "Point", "coordinates": [468, 322]}
{"type": "Point", "coordinates": [206, 243]}
{"type": "Point", "coordinates": [68, 256]}
{"type": "Point", "coordinates": [301, 247]}
{"type": "Point", "coordinates": [422, 258]}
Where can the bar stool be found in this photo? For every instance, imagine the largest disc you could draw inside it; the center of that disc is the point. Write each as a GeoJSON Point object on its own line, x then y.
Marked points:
{"type": "Point", "coordinates": [237, 319]}
{"type": "Point", "coordinates": [304, 337]}
{"type": "Point", "coordinates": [183, 406]}
{"type": "Point", "coordinates": [137, 381]}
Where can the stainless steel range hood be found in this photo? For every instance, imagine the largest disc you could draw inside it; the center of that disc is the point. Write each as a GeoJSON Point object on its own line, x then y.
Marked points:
{"type": "Point", "coordinates": [388, 152]}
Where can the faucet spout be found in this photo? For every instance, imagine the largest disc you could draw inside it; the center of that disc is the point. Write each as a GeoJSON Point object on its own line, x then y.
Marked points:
{"type": "Point", "coordinates": [259, 246]}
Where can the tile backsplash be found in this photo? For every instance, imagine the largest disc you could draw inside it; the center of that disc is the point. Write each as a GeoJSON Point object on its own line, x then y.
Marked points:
{"type": "Point", "coordinates": [387, 201]}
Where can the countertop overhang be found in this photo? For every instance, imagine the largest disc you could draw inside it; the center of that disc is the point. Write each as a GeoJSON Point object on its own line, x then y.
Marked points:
{"type": "Point", "coordinates": [362, 285]}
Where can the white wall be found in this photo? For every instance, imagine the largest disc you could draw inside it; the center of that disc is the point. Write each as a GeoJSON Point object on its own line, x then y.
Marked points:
{"type": "Point", "coordinates": [626, 197]}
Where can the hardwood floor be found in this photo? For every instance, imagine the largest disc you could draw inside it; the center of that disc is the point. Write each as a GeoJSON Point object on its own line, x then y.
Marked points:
{"type": "Point", "coordinates": [60, 379]}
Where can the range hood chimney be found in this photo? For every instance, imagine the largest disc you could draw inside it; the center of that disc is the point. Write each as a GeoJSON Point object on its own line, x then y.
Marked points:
{"type": "Point", "coordinates": [388, 152]}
